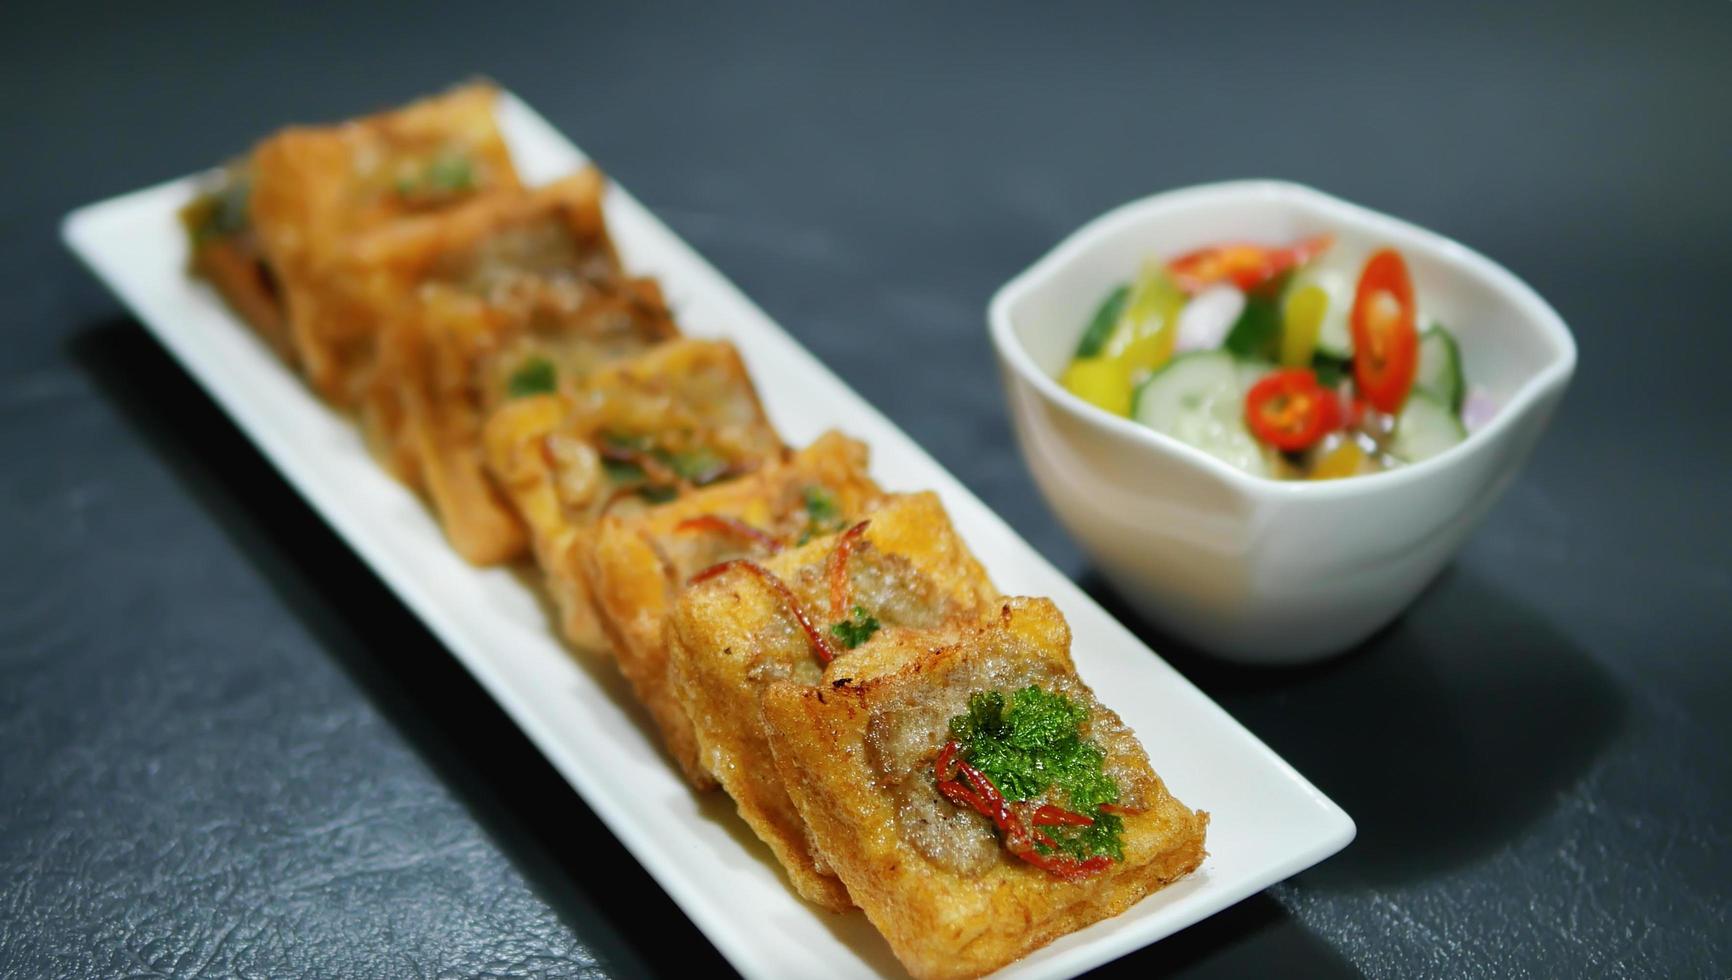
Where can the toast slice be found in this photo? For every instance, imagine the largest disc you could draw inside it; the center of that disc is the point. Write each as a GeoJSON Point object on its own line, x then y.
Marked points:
{"type": "Point", "coordinates": [225, 251]}
{"type": "Point", "coordinates": [638, 432]}
{"type": "Point", "coordinates": [739, 627]}
{"type": "Point", "coordinates": [864, 753]}
{"type": "Point", "coordinates": [640, 562]}
{"type": "Point", "coordinates": [315, 194]}
{"type": "Point", "coordinates": [507, 296]}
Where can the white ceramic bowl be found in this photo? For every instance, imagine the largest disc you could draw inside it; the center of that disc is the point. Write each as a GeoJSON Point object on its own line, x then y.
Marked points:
{"type": "Point", "coordinates": [1248, 568]}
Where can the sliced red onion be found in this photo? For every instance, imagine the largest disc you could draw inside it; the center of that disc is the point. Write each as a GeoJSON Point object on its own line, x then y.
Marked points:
{"type": "Point", "coordinates": [1205, 320]}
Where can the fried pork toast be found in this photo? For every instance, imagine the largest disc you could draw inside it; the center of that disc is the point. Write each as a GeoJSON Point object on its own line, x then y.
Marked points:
{"type": "Point", "coordinates": [732, 634]}
{"type": "Point", "coordinates": [644, 430]}
{"type": "Point", "coordinates": [318, 194]}
{"type": "Point", "coordinates": [859, 754]}
{"type": "Point", "coordinates": [509, 295]}
{"type": "Point", "coordinates": [225, 251]}
{"type": "Point", "coordinates": [640, 562]}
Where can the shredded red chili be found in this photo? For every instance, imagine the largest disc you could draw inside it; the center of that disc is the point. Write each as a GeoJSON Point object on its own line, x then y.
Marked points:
{"type": "Point", "coordinates": [718, 524]}
{"type": "Point", "coordinates": [820, 645]}
{"type": "Point", "coordinates": [1019, 824]}
{"type": "Point", "coordinates": [1047, 815]}
{"type": "Point", "coordinates": [839, 569]}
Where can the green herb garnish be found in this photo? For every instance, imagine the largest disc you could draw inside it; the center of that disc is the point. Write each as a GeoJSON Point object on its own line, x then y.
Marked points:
{"type": "Point", "coordinates": [231, 210]}
{"type": "Point", "coordinates": [699, 466]}
{"type": "Point", "coordinates": [823, 516]}
{"type": "Point", "coordinates": [623, 470]}
{"type": "Point", "coordinates": [451, 173]}
{"type": "Point", "coordinates": [536, 376]}
{"type": "Point", "coordinates": [223, 212]}
{"type": "Point", "coordinates": [821, 505]}
{"type": "Point", "coordinates": [447, 174]}
{"type": "Point", "coordinates": [855, 630]}
{"type": "Point", "coordinates": [625, 463]}
{"type": "Point", "coordinates": [1030, 744]}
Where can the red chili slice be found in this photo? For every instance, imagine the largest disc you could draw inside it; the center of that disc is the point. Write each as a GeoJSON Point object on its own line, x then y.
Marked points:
{"type": "Point", "coordinates": [963, 796]}
{"type": "Point", "coordinates": [820, 645]}
{"type": "Point", "coordinates": [1243, 264]}
{"type": "Point", "coordinates": [1047, 815]}
{"type": "Point", "coordinates": [718, 524]}
{"type": "Point", "coordinates": [1289, 410]}
{"type": "Point", "coordinates": [838, 570]}
{"type": "Point", "coordinates": [1385, 337]}
{"type": "Point", "coordinates": [945, 767]}
{"type": "Point", "coordinates": [1020, 838]}
{"type": "Point", "coordinates": [1067, 867]}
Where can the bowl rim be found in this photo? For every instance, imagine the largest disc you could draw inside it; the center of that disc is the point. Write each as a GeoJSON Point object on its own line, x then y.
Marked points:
{"type": "Point", "coordinates": [1532, 307]}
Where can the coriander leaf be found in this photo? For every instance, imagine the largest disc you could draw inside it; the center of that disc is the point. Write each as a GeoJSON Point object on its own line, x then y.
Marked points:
{"type": "Point", "coordinates": [535, 376]}
{"type": "Point", "coordinates": [622, 470]}
{"type": "Point", "coordinates": [451, 173]}
{"type": "Point", "coordinates": [1030, 744]}
{"type": "Point", "coordinates": [444, 175]}
{"type": "Point", "coordinates": [856, 630]}
{"type": "Point", "coordinates": [224, 211]}
{"type": "Point", "coordinates": [1104, 836]}
{"type": "Point", "coordinates": [823, 516]}
{"type": "Point", "coordinates": [699, 466]}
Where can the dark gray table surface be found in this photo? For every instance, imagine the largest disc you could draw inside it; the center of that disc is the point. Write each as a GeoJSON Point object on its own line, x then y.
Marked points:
{"type": "Point", "coordinates": [225, 749]}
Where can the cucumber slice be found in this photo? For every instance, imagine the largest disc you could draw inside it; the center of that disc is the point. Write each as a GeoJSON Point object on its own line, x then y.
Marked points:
{"type": "Point", "coordinates": [1439, 373]}
{"type": "Point", "coordinates": [1425, 428]}
{"type": "Point", "coordinates": [1199, 399]}
{"type": "Point", "coordinates": [1101, 326]}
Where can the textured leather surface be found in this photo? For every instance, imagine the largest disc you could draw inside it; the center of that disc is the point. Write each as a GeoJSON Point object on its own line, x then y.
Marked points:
{"type": "Point", "coordinates": [225, 750]}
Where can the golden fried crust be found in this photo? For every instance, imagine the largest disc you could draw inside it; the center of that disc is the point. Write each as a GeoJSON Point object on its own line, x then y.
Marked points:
{"type": "Point", "coordinates": [318, 191]}
{"type": "Point", "coordinates": [225, 251]}
{"type": "Point", "coordinates": [730, 636]}
{"type": "Point", "coordinates": [639, 562]}
{"type": "Point", "coordinates": [466, 301]}
{"type": "Point", "coordinates": [431, 420]}
{"type": "Point", "coordinates": [247, 285]}
{"type": "Point", "coordinates": [432, 323]}
{"type": "Point", "coordinates": [546, 452]}
{"type": "Point", "coordinates": [518, 441]}
{"type": "Point", "coordinates": [941, 923]}
{"type": "Point", "coordinates": [450, 241]}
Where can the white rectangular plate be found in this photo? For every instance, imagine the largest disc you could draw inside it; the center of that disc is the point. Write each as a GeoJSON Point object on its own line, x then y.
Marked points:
{"type": "Point", "coordinates": [1267, 822]}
